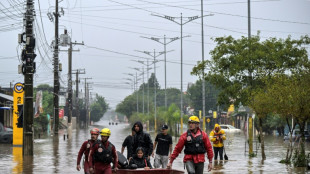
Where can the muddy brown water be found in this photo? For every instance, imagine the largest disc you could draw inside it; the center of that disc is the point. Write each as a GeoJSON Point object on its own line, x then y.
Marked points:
{"type": "Point", "coordinates": [52, 156]}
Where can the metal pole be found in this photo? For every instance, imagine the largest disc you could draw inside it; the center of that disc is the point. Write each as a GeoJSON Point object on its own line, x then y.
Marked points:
{"type": "Point", "coordinates": [165, 50]}
{"type": "Point", "coordinates": [203, 72]}
{"type": "Point", "coordinates": [143, 89]}
{"type": "Point", "coordinates": [137, 93]}
{"type": "Point", "coordinates": [148, 89]}
{"type": "Point", "coordinates": [181, 74]}
{"type": "Point", "coordinates": [56, 77]}
{"type": "Point", "coordinates": [28, 79]}
{"type": "Point", "coordinates": [86, 107]}
{"type": "Point", "coordinates": [155, 114]}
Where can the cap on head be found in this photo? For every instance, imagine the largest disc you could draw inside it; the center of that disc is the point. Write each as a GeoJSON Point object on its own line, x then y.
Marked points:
{"type": "Point", "coordinates": [164, 127]}
{"type": "Point", "coordinates": [95, 131]}
{"type": "Point", "coordinates": [105, 132]}
{"type": "Point", "coordinates": [193, 119]}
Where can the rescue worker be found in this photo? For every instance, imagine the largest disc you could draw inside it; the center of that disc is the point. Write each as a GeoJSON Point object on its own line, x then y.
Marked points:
{"type": "Point", "coordinates": [85, 148]}
{"type": "Point", "coordinates": [164, 148]}
{"type": "Point", "coordinates": [102, 154]}
{"type": "Point", "coordinates": [141, 139]}
{"type": "Point", "coordinates": [196, 144]}
{"type": "Point", "coordinates": [217, 136]}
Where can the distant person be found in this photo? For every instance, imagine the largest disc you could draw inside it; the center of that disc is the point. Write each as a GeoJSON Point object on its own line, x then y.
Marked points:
{"type": "Point", "coordinates": [128, 142]}
{"type": "Point", "coordinates": [102, 154]}
{"type": "Point", "coordinates": [217, 136]}
{"type": "Point", "coordinates": [164, 148]}
{"type": "Point", "coordinates": [196, 144]}
{"type": "Point", "coordinates": [142, 139]}
{"type": "Point", "coordinates": [85, 148]}
{"type": "Point", "coordinates": [139, 160]}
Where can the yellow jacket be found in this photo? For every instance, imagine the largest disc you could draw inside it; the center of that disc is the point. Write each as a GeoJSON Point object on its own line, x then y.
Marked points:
{"type": "Point", "coordinates": [220, 135]}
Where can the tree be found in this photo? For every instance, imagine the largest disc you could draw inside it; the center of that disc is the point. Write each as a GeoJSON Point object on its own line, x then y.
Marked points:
{"type": "Point", "coordinates": [98, 108]}
{"type": "Point", "coordinates": [239, 66]}
{"type": "Point", "coordinates": [195, 96]}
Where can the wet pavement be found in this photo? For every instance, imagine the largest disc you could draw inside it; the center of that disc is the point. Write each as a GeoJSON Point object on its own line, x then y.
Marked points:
{"type": "Point", "coordinates": [60, 156]}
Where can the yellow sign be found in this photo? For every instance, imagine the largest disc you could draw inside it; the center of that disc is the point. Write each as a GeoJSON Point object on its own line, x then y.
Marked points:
{"type": "Point", "coordinates": [199, 114]}
{"type": "Point", "coordinates": [208, 120]}
{"type": "Point", "coordinates": [18, 99]}
{"type": "Point", "coordinates": [214, 114]}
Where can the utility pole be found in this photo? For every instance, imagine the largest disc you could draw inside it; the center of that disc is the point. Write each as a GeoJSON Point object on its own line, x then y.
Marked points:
{"type": "Point", "coordinates": [250, 123]}
{"type": "Point", "coordinates": [154, 55]}
{"type": "Point", "coordinates": [86, 103]}
{"type": "Point", "coordinates": [56, 77]}
{"type": "Point", "coordinates": [28, 57]}
{"type": "Point", "coordinates": [69, 75]}
{"type": "Point", "coordinates": [78, 71]}
{"type": "Point", "coordinates": [203, 71]}
{"type": "Point", "coordinates": [181, 23]}
{"type": "Point", "coordinates": [165, 50]}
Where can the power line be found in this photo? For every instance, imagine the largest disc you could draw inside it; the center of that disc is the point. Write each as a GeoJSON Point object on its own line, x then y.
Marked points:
{"type": "Point", "coordinates": [227, 14]}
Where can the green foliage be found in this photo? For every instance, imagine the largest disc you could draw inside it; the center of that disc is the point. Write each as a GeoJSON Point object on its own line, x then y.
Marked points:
{"type": "Point", "coordinates": [129, 105]}
{"type": "Point", "coordinates": [195, 96]}
{"type": "Point", "coordinates": [252, 155]}
{"type": "Point", "coordinates": [299, 159]}
{"type": "Point", "coordinates": [40, 123]}
{"type": "Point", "coordinates": [237, 70]}
{"type": "Point", "coordinates": [284, 161]}
{"type": "Point", "coordinates": [98, 108]}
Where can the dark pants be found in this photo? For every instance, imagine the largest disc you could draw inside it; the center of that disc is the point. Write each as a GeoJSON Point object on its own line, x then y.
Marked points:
{"type": "Point", "coordinates": [194, 168]}
{"type": "Point", "coordinates": [216, 151]}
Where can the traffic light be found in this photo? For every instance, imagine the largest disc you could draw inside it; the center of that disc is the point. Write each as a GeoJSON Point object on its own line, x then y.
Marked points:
{"type": "Point", "coordinates": [20, 119]}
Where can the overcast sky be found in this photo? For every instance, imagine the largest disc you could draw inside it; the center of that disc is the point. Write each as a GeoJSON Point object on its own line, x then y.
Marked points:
{"type": "Point", "coordinates": [112, 30]}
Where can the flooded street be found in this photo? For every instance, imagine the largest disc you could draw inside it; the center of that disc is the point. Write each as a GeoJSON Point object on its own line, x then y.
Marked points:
{"type": "Point", "coordinates": [60, 157]}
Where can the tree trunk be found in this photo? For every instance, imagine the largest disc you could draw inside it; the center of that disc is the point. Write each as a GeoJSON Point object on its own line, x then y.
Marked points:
{"type": "Point", "coordinates": [262, 139]}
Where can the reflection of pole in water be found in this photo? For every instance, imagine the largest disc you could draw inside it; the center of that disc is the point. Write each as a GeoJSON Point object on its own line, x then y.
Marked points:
{"type": "Point", "coordinates": [56, 153]}
{"type": "Point", "coordinates": [18, 159]}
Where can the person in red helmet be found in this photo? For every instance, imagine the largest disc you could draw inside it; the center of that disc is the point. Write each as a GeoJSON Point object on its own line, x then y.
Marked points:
{"type": "Point", "coordinates": [102, 155]}
{"type": "Point", "coordinates": [197, 144]}
{"type": "Point", "coordinates": [85, 148]}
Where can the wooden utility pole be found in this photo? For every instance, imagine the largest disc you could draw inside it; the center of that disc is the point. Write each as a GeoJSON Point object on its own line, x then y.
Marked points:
{"type": "Point", "coordinates": [28, 57]}
{"type": "Point", "coordinates": [56, 77]}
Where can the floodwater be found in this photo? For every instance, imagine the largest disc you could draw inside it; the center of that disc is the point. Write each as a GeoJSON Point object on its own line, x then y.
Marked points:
{"type": "Point", "coordinates": [60, 156]}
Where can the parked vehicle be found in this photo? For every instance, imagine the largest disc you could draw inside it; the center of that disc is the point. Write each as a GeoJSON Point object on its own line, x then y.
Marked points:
{"type": "Point", "coordinates": [230, 129]}
{"type": "Point", "coordinates": [6, 134]}
{"type": "Point", "coordinates": [296, 135]}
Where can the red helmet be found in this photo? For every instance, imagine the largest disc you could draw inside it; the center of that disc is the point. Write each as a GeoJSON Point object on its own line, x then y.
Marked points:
{"type": "Point", "coordinates": [95, 131]}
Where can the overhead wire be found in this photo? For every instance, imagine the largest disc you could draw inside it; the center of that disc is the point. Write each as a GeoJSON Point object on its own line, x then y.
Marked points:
{"type": "Point", "coordinates": [227, 14]}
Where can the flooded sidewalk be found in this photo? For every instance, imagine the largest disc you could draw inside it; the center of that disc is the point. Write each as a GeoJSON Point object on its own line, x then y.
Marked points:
{"type": "Point", "coordinates": [60, 156]}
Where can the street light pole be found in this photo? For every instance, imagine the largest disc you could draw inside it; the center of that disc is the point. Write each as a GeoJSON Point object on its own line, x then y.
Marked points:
{"type": "Point", "coordinates": [181, 24]}
{"type": "Point", "coordinates": [165, 50]}
{"type": "Point", "coordinates": [154, 61]}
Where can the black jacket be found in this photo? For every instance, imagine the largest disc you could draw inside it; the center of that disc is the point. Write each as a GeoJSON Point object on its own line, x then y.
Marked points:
{"type": "Point", "coordinates": [142, 139]}
{"type": "Point", "coordinates": [140, 162]}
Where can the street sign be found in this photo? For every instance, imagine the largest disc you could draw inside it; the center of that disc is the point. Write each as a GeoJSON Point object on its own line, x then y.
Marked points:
{"type": "Point", "coordinates": [208, 120]}
{"type": "Point", "coordinates": [18, 100]}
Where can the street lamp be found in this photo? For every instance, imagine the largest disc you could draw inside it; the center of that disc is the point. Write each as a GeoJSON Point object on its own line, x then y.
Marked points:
{"type": "Point", "coordinates": [165, 59]}
{"type": "Point", "coordinates": [154, 55]}
{"type": "Point", "coordinates": [148, 85]}
{"type": "Point", "coordinates": [181, 23]}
